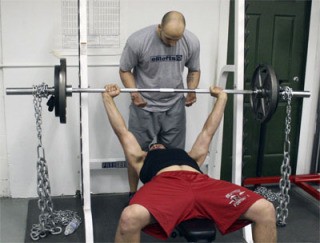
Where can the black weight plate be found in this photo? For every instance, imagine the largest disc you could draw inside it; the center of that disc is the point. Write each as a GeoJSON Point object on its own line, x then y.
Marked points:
{"type": "Point", "coordinates": [265, 103]}
{"type": "Point", "coordinates": [62, 99]}
{"type": "Point", "coordinates": [56, 90]}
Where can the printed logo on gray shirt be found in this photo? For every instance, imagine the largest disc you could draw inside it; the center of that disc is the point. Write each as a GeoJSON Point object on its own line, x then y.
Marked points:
{"type": "Point", "coordinates": [166, 58]}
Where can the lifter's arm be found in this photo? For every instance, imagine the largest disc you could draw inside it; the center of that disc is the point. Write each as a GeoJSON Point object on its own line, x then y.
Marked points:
{"type": "Point", "coordinates": [130, 145]}
{"type": "Point", "coordinates": [200, 148]}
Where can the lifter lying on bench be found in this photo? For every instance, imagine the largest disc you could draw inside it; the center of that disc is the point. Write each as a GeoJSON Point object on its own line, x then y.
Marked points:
{"type": "Point", "coordinates": [175, 190]}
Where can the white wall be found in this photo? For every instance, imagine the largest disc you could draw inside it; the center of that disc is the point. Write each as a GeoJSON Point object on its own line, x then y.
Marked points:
{"type": "Point", "coordinates": [4, 173]}
{"type": "Point", "coordinates": [29, 36]}
{"type": "Point", "coordinates": [104, 147]}
{"type": "Point", "coordinates": [30, 33]}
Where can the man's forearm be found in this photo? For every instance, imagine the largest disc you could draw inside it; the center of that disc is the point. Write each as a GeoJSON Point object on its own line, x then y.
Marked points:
{"type": "Point", "coordinates": [127, 79]}
{"type": "Point", "coordinates": [193, 79]}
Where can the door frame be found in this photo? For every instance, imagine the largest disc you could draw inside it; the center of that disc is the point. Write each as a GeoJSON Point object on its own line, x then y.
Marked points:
{"type": "Point", "coordinates": [309, 107]}
{"type": "Point", "coordinates": [312, 84]}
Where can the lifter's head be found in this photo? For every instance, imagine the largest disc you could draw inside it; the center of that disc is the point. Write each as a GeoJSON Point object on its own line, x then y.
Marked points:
{"type": "Point", "coordinates": [171, 28]}
{"type": "Point", "coordinates": [155, 146]}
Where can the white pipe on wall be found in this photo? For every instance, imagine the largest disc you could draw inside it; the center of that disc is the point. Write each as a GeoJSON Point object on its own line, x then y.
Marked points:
{"type": "Point", "coordinates": [238, 102]}
{"type": "Point", "coordinates": [312, 83]}
{"type": "Point", "coordinates": [214, 167]}
{"type": "Point", "coordinates": [84, 123]}
{"type": "Point", "coordinates": [4, 172]}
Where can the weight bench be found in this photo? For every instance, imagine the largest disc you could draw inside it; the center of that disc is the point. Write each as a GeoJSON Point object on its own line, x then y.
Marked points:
{"type": "Point", "coordinates": [194, 230]}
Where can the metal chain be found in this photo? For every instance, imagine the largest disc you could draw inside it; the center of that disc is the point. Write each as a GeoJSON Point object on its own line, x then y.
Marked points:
{"type": "Point", "coordinates": [284, 183]}
{"type": "Point", "coordinates": [48, 219]}
{"type": "Point", "coordinates": [268, 194]}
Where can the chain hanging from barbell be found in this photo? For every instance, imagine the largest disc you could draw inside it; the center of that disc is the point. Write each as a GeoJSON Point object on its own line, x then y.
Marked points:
{"type": "Point", "coordinates": [284, 183]}
{"type": "Point", "coordinates": [48, 219]}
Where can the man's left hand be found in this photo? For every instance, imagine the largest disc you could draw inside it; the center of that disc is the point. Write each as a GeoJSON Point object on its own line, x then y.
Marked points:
{"type": "Point", "coordinates": [190, 99]}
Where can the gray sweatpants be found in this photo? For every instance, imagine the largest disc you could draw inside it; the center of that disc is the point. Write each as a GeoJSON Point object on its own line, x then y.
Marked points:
{"type": "Point", "coordinates": [168, 127]}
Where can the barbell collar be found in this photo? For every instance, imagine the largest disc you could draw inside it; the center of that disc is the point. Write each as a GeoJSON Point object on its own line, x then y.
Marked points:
{"type": "Point", "coordinates": [303, 94]}
{"type": "Point", "coordinates": [25, 91]}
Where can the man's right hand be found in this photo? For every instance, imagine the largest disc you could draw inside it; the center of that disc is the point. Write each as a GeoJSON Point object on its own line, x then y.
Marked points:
{"type": "Point", "coordinates": [137, 100]}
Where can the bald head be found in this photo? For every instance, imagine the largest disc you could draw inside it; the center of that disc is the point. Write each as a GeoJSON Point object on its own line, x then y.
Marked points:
{"type": "Point", "coordinates": [171, 28]}
{"type": "Point", "coordinates": [174, 18]}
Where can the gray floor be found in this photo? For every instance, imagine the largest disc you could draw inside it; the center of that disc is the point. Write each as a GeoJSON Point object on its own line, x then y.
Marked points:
{"type": "Point", "coordinates": [302, 223]}
{"type": "Point", "coordinates": [13, 219]}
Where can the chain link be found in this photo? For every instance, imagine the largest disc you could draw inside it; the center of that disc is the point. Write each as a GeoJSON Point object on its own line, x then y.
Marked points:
{"type": "Point", "coordinates": [268, 194]}
{"type": "Point", "coordinates": [284, 183]}
{"type": "Point", "coordinates": [282, 197]}
{"type": "Point", "coordinates": [48, 219]}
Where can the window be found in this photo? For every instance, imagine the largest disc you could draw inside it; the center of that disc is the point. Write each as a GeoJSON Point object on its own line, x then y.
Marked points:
{"type": "Point", "coordinates": [103, 26]}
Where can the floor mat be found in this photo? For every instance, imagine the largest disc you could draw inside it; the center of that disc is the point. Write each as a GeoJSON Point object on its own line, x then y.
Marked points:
{"type": "Point", "coordinates": [59, 203]}
{"type": "Point", "coordinates": [302, 224]}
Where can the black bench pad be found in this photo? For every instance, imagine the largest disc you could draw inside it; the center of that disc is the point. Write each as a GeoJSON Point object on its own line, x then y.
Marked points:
{"type": "Point", "coordinates": [197, 229]}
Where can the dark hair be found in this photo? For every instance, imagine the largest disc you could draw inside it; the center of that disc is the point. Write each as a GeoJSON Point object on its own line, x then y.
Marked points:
{"type": "Point", "coordinates": [151, 144]}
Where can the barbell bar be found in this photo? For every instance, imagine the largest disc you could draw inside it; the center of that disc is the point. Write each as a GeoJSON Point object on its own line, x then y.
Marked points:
{"type": "Point", "coordinates": [264, 97]}
{"type": "Point", "coordinates": [50, 90]}
{"type": "Point", "coordinates": [30, 91]}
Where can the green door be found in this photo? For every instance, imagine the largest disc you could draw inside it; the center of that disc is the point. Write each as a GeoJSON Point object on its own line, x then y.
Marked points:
{"type": "Point", "coordinates": [277, 35]}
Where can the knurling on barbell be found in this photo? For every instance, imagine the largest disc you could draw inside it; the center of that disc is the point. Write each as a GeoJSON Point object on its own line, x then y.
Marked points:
{"type": "Point", "coordinates": [265, 91]}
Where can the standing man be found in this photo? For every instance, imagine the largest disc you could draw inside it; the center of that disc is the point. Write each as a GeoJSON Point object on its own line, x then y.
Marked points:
{"type": "Point", "coordinates": [155, 57]}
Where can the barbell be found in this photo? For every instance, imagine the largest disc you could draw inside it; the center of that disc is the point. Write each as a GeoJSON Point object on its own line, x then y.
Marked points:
{"type": "Point", "coordinates": [264, 98]}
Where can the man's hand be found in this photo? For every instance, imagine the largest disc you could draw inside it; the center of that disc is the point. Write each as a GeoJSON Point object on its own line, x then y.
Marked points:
{"type": "Point", "coordinates": [190, 99]}
{"type": "Point", "coordinates": [111, 91]}
{"type": "Point", "coordinates": [137, 100]}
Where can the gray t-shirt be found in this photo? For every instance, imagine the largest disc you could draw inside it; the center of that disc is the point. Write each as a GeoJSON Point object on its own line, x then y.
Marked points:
{"type": "Point", "coordinates": [156, 65]}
